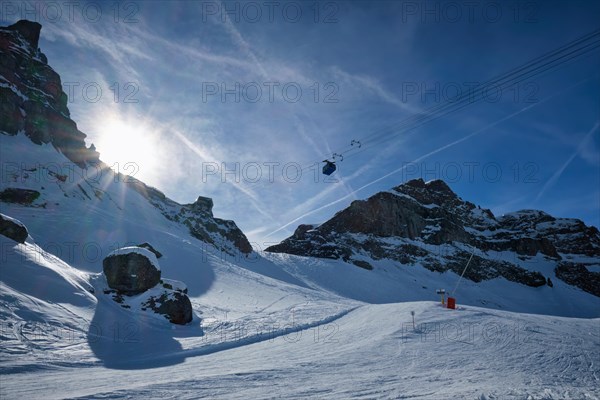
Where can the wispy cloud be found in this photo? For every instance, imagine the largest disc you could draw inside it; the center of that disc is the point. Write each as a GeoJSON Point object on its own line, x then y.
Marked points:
{"type": "Point", "coordinates": [254, 198]}
{"type": "Point", "coordinates": [375, 87]}
{"type": "Point", "coordinates": [581, 149]}
{"type": "Point", "coordinates": [125, 55]}
{"type": "Point", "coordinates": [244, 47]}
{"type": "Point", "coordinates": [171, 60]}
{"type": "Point", "coordinates": [419, 159]}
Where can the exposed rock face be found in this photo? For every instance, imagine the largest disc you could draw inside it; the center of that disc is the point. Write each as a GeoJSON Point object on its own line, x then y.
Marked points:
{"type": "Point", "coordinates": [168, 298]}
{"type": "Point", "coordinates": [566, 235]}
{"type": "Point", "coordinates": [134, 270]}
{"type": "Point", "coordinates": [148, 246]}
{"type": "Point", "coordinates": [199, 219]}
{"type": "Point", "coordinates": [174, 305]}
{"type": "Point", "coordinates": [131, 270]}
{"type": "Point", "coordinates": [31, 95]}
{"type": "Point", "coordinates": [33, 103]}
{"type": "Point", "coordinates": [224, 235]}
{"type": "Point", "coordinates": [13, 229]}
{"type": "Point", "coordinates": [428, 224]}
{"type": "Point", "coordinates": [578, 275]}
{"type": "Point", "coordinates": [19, 196]}
{"type": "Point", "coordinates": [29, 30]}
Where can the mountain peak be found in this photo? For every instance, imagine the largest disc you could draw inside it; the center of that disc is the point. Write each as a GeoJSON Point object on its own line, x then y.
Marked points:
{"type": "Point", "coordinates": [29, 30]}
{"type": "Point", "coordinates": [436, 185]}
{"type": "Point", "coordinates": [427, 224]}
{"type": "Point", "coordinates": [430, 192]}
{"type": "Point", "coordinates": [33, 99]}
{"type": "Point", "coordinates": [35, 106]}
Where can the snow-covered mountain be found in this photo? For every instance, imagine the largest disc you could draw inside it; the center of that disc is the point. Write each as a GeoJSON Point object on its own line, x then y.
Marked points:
{"type": "Point", "coordinates": [34, 104]}
{"type": "Point", "coordinates": [427, 224]}
{"type": "Point", "coordinates": [264, 325]}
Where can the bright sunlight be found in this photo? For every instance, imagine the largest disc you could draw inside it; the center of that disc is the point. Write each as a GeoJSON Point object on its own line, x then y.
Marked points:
{"type": "Point", "coordinates": [128, 148]}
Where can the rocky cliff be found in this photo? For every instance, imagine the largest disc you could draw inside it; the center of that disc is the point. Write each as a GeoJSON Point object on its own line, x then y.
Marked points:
{"type": "Point", "coordinates": [32, 103]}
{"type": "Point", "coordinates": [428, 224]}
{"type": "Point", "coordinates": [31, 97]}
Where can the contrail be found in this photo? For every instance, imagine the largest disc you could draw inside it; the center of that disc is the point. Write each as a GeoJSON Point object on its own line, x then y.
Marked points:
{"type": "Point", "coordinates": [550, 182]}
{"type": "Point", "coordinates": [254, 199]}
{"type": "Point", "coordinates": [454, 143]}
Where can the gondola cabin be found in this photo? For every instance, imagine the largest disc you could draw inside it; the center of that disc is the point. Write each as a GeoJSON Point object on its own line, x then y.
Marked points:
{"type": "Point", "coordinates": [329, 168]}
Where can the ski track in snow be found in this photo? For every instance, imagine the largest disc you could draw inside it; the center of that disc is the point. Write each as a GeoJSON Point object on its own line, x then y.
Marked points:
{"type": "Point", "coordinates": [375, 353]}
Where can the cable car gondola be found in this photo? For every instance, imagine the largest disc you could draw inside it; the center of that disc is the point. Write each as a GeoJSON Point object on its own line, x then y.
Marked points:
{"type": "Point", "coordinates": [329, 167]}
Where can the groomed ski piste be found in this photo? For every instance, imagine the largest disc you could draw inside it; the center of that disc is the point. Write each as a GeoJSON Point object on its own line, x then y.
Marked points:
{"type": "Point", "coordinates": [265, 325]}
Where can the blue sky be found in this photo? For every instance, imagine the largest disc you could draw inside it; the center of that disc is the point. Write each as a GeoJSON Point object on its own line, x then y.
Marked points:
{"type": "Point", "coordinates": [229, 100]}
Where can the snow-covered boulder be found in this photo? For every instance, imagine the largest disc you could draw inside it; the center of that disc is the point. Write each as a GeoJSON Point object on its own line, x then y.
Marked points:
{"type": "Point", "coordinates": [131, 270]}
{"type": "Point", "coordinates": [13, 229]}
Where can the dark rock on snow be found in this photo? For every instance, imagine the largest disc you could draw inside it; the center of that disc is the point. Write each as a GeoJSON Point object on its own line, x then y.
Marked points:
{"type": "Point", "coordinates": [13, 229]}
{"type": "Point", "coordinates": [19, 196]}
{"type": "Point", "coordinates": [578, 275]}
{"type": "Point", "coordinates": [175, 306]}
{"type": "Point", "coordinates": [148, 246]}
{"type": "Point", "coordinates": [223, 234]}
{"type": "Point", "coordinates": [134, 270]}
{"type": "Point", "coordinates": [131, 270]}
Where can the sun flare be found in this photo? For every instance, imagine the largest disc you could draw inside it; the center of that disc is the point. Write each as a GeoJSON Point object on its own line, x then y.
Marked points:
{"type": "Point", "coordinates": [128, 149]}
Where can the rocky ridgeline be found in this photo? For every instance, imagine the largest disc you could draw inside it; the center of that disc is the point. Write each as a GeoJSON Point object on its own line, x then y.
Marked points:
{"type": "Point", "coordinates": [32, 102]}
{"type": "Point", "coordinates": [31, 95]}
{"type": "Point", "coordinates": [198, 217]}
{"type": "Point", "coordinates": [429, 225]}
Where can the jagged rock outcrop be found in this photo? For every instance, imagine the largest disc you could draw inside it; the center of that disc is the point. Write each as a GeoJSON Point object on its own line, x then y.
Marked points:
{"type": "Point", "coordinates": [29, 30]}
{"type": "Point", "coordinates": [33, 103]}
{"type": "Point", "coordinates": [224, 235]}
{"type": "Point", "coordinates": [173, 305]}
{"type": "Point", "coordinates": [578, 275]}
{"type": "Point", "coordinates": [198, 217]}
{"type": "Point", "coordinates": [149, 247]}
{"type": "Point", "coordinates": [13, 229]}
{"type": "Point", "coordinates": [31, 96]}
{"type": "Point", "coordinates": [426, 223]}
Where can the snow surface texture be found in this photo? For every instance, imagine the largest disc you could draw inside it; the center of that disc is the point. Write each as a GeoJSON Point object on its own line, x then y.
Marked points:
{"type": "Point", "coordinates": [266, 325]}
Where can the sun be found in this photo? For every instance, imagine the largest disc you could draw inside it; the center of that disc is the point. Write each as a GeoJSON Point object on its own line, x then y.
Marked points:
{"type": "Point", "coordinates": [128, 148]}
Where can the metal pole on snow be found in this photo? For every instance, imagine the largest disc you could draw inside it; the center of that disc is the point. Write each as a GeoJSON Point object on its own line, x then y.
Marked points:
{"type": "Point", "coordinates": [464, 270]}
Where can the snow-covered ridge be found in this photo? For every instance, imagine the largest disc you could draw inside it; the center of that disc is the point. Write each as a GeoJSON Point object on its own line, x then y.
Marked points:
{"type": "Point", "coordinates": [423, 219]}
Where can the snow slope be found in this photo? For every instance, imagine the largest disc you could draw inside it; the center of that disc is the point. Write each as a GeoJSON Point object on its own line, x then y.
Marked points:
{"type": "Point", "coordinates": [370, 352]}
{"type": "Point", "coordinates": [393, 282]}
{"type": "Point", "coordinates": [266, 325]}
